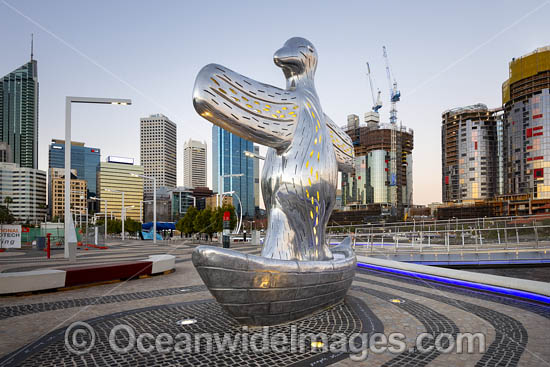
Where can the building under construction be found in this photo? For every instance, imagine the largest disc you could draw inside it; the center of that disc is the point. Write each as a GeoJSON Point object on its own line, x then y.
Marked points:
{"type": "Point", "coordinates": [383, 165]}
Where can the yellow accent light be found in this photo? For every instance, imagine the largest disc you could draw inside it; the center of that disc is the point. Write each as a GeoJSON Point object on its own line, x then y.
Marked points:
{"type": "Point", "coordinates": [256, 102]}
{"type": "Point", "coordinates": [268, 106]}
{"type": "Point", "coordinates": [312, 200]}
{"type": "Point", "coordinates": [274, 115]}
{"type": "Point", "coordinates": [318, 196]}
{"type": "Point", "coordinates": [249, 106]}
{"type": "Point", "coordinates": [311, 154]}
{"type": "Point", "coordinates": [315, 142]}
{"type": "Point", "coordinates": [215, 81]}
{"type": "Point", "coordinates": [311, 214]}
{"type": "Point", "coordinates": [284, 108]}
{"type": "Point", "coordinates": [307, 164]}
{"type": "Point", "coordinates": [232, 90]}
{"type": "Point", "coordinates": [221, 90]}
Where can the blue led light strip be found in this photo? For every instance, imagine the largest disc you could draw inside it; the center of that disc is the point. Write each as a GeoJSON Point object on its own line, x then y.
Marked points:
{"type": "Point", "coordinates": [462, 283]}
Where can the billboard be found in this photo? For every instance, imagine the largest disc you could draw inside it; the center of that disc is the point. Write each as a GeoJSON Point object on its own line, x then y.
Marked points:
{"type": "Point", "coordinates": [10, 236]}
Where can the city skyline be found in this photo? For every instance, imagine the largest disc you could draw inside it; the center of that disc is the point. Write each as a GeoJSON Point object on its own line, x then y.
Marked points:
{"type": "Point", "coordinates": [435, 70]}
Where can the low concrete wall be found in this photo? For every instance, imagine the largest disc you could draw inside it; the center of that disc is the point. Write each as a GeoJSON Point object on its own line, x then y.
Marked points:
{"type": "Point", "coordinates": [531, 286]}
{"type": "Point", "coordinates": [27, 281]}
{"type": "Point", "coordinates": [162, 263]}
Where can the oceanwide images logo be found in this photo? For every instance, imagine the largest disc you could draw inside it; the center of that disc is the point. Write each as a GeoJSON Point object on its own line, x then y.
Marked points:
{"type": "Point", "coordinates": [80, 339]}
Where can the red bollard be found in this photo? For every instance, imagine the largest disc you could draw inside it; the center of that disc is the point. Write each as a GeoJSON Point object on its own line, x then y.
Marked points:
{"type": "Point", "coordinates": [48, 250]}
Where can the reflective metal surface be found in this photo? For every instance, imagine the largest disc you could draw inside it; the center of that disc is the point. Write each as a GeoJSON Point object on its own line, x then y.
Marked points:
{"type": "Point", "coordinates": [297, 273]}
{"type": "Point", "coordinates": [306, 148]}
{"type": "Point", "coordinates": [260, 291]}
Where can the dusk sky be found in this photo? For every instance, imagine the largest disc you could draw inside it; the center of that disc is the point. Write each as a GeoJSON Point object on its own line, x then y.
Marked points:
{"type": "Point", "coordinates": [443, 55]}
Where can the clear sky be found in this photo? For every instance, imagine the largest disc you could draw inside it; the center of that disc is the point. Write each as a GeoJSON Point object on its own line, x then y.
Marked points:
{"type": "Point", "coordinates": [443, 54]}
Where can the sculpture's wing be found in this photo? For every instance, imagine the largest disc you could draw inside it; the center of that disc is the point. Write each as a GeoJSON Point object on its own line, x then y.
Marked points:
{"type": "Point", "coordinates": [343, 146]}
{"type": "Point", "coordinates": [257, 112]}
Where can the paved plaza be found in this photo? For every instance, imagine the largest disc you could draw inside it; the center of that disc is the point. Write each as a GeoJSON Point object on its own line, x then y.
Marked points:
{"type": "Point", "coordinates": [33, 327]}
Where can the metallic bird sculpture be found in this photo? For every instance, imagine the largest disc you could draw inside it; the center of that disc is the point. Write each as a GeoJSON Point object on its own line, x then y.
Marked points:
{"type": "Point", "coordinates": [299, 177]}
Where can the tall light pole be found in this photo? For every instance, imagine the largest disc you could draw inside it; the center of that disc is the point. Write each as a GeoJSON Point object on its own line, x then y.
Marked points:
{"type": "Point", "coordinates": [122, 208]}
{"type": "Point", "coordinates": [94, 198]}
{"type": "Point", "coordinates": [70, 250]}
{"type": "Point", "coordinates": [154, 203]}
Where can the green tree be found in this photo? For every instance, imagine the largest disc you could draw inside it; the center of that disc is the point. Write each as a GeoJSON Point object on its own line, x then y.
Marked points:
{"type": "Point", "coordinates": [114, 226]}
{"type": "Point", "coordinates": [8, 200]}
{"type": "Point", "coordinates": [203, 222]}
{"type": "Point", "coordinates": [131, 225]}
{"type": "Point", "coordinates": [5, 215]}
{"type": "Point", "coordinates": [189, 219]}
{"type": "Point", "coordinates": [179, 226]}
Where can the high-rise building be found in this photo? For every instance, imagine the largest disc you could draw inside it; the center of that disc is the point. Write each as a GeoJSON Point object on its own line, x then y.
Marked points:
{"type": "Point", "coordinates": [158, 151]}
{"type": "Point", "coordinates": [526, 126]}
{"type": "Point", "coordinates": [27, 189]}
{"type": "Point", "coordinates": [19, 114]}
{"type": "Point", "coordinates": [194, 164]}
{"type": "Point", "coordinates": [5, 153]}
{"type": "Point", "coordinates": [383, 164]}
{"type": "Point", "coordinates": [57, 193]}
{"type": "Point", "coordinates": [120, 175]}
{"type": "Point", "coordinates": [84, 160]}
{"type": "Point", "coordinates": [256, 178]}
{"type": "Point", "coordinates": [469, 147]}
{"type": "Point", "coordinates": [228, 158]}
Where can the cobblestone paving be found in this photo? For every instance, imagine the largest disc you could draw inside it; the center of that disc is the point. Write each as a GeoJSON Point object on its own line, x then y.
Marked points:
{"type": "Point", "coordinates": [434, 322]}
{"type": "Point", "coordinates": [347, 318]}
{"type": "Point", "coordinates": [511, 336]}
{"type": "Point", "coordinates": [517, 328]}
{"type": "Point", "coordinates": [20, 310]}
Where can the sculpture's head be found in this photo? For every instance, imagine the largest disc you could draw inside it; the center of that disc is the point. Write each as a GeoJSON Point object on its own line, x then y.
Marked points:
{"type": "Point", "coordinates": [297, 58]}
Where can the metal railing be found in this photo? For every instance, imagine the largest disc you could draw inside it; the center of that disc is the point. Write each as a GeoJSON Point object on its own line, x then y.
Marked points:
{"type": "Point", "coordinates": [379, 240]}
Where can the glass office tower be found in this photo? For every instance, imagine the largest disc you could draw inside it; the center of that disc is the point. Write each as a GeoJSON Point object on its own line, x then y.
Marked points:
{"type": "Point", "coordinates": [19, 114]}
{"type": "Point", "coordinates": [84, 160]}
{"type": "Point", "coordinates": [228, 158]}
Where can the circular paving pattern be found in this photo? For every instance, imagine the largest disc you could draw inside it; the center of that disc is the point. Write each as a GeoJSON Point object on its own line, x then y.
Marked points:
{"type": "Point", "coordinates": [349, 317]}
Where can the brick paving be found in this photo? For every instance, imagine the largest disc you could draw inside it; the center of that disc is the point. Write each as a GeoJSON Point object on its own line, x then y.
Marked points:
{"type": "Point", "coordinates": [32, 327]}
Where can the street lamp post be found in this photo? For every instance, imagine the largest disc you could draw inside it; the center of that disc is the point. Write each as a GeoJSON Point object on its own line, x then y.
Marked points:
{"type": "Point", "coordinates": [154, 203]}
{"type": "Point", "coordinates": [121, 210]}
{"type": "Point", "coordinates": [70, 250]}
{"type": "Point", "coordinates": [94, 198]}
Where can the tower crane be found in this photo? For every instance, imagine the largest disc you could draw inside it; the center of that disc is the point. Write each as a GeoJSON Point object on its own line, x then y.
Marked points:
{"type": "Point", "coordinates": [395, 94]}
{"type": "Point", "coordinates": [376, 103]}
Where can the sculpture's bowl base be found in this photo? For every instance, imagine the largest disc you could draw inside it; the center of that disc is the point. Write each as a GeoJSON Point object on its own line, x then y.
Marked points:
{"type": "Point", "coordinates": [259, 291]}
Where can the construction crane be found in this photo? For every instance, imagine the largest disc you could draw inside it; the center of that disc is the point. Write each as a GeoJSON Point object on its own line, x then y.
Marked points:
{"type": "Point", "coordinates": [376, 103]}
{"type": "Point", "coordinates": [395, 95]}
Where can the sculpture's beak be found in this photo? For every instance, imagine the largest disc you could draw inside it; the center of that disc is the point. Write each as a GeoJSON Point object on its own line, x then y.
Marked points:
{"type": "Point", "coordinates": [283, 58]}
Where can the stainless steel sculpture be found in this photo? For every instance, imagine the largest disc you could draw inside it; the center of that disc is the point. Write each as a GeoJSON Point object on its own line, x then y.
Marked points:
{"type": "Point", "coordinates": [297, 272]}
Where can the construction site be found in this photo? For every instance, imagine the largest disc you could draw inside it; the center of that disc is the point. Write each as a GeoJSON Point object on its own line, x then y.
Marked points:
{"type": "Point", "coordinates": [381, 182]}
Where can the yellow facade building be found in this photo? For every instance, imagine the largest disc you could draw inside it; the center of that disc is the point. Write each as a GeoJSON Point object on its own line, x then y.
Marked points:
{"type": "Point", "coordinates": [78, 194]}
{"type": "Point", "coordinates": [116, 176]}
